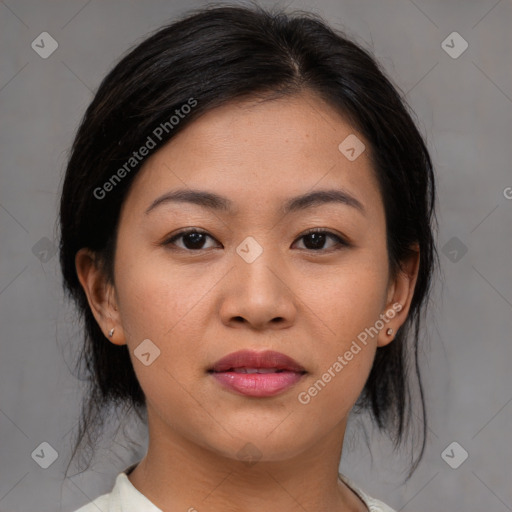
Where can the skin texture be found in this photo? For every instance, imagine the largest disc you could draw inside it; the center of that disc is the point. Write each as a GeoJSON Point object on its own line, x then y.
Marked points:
{"type": "Point", "coordinates": [198, 305]}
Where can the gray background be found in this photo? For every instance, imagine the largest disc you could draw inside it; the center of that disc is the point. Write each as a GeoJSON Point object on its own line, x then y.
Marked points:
{"type": "Point", "coordinates": [464, 107]}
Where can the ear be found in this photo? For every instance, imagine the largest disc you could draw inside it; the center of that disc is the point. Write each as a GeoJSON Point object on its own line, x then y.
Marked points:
{"type": "Point", "coordinates": [100, 295]}
{"type": "Point", "coordinates": [399, 297]}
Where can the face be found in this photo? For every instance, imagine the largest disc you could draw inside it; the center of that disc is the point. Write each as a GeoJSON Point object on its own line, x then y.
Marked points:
{"type": "Point", "coordinates": [246, 272]}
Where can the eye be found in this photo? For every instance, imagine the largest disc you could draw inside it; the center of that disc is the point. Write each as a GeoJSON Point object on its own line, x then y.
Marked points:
{"type": "Point", "coordinates": [315, 239]}
{"type": "Point", "coordinates": [193, 239]}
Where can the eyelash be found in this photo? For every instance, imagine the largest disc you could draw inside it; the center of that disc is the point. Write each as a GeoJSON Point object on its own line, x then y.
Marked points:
{"type": "Point", "coordinates": [341, 242]}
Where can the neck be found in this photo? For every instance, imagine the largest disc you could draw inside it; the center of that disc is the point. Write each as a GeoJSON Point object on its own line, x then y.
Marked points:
{"type": "Point", "coordinates": [178, 474]}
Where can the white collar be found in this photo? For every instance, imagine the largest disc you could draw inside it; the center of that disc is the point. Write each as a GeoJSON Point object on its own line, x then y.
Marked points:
{"type": "Point", "coordinates": [125, 497]}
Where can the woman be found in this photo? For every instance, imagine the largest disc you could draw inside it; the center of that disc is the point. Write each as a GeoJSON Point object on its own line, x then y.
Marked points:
{"type": "Point", "coordinates": [247, 230]}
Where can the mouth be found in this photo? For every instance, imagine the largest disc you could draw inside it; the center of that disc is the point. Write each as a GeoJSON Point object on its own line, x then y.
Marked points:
{"type": "Point", "coordinates": [257, 374]}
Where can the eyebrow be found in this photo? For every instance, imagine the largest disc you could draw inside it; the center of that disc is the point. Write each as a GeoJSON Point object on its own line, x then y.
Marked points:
{"type": "Point", "coordinates": [216, 202]}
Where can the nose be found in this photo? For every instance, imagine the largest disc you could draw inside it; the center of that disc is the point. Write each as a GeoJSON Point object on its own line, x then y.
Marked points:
{"type": "Point", "coordinates": [258, 295]}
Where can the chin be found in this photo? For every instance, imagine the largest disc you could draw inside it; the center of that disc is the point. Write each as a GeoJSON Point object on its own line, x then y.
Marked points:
{"type": "Point", "coordinates": [256, 445]}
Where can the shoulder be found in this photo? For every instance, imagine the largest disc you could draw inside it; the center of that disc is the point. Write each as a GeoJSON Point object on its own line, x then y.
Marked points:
{"type": "Point", "coordinates": [100, 503]}
{"type": "Point", "coordinates": [373, 504]}
{"type": "Point", "coordinates": [124, 497]}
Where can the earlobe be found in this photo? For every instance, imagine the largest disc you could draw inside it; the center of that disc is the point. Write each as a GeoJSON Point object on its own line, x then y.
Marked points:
{"type": "Point", "coordinates": [400, 294]}
{"type": "Point", "coordinates": [99, 293]}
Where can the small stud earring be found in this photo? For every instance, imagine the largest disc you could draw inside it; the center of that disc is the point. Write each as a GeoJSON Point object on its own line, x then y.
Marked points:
{"type": "Point", "coordinates": [389, 332]}
{"type": "Point", "coordinates": [111, 332]}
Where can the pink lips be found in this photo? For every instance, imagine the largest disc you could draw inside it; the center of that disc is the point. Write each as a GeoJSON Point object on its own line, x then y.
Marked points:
{"type": "Point", "coordinates": [258, 374]}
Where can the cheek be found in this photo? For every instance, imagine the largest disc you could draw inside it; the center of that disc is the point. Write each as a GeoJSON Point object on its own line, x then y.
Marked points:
{"type": "Point", "coordinates": [155, 297]}
{"type": "Point", "coordinates": [343, 360]}
{"type": "Point", "coordinates": [348, 298]}
{"type": "Point", "coordinates": [167, 305]}
{"type": "Point", "coordinates": [163, 306]}
{"type": "Point", "coordinates": [336, 387]}
{"type": "Point", "coordinates": [347, 307]}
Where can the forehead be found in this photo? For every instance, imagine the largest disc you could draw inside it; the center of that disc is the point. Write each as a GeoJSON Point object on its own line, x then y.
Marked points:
{"type": "Point", "coordinates": [256, 152]}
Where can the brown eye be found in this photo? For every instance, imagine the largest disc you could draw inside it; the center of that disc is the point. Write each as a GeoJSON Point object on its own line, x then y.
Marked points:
{"type": "Point", "coordinates": [193, 240]}
{"type": "Point", "coordinates": [315, 240]}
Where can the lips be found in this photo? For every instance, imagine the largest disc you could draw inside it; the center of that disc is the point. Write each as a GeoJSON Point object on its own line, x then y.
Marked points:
{"type": "Point", "coordinates": [258, 374]}
{"type": "Point", "coordinates": [247, 359]}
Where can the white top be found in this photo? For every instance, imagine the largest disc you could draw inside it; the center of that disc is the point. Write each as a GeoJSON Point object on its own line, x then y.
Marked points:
{"type": "Point", "coordinates": [125, 497]}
